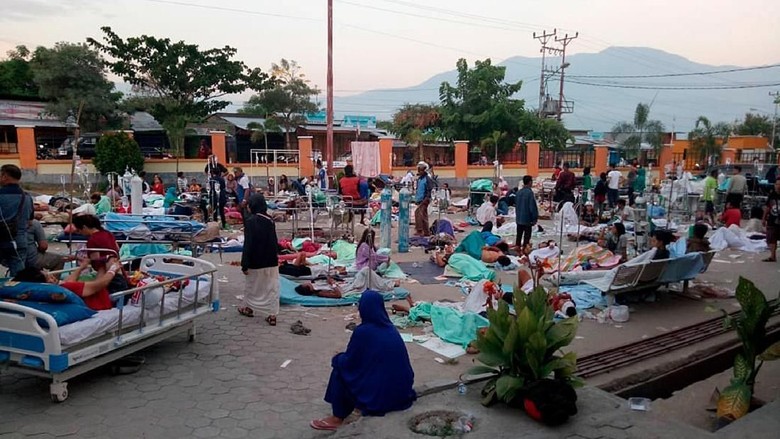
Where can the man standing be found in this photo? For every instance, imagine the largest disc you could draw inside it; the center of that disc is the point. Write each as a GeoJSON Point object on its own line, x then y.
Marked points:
{"type": "Point", "coordinates": [736, 189]}
{"type": "Point", "coordinates": [631, 181]}
{"type": "Point", "coordinates": [710, 188]}
{"type": "Point", "coordinates": [526, 212]}
{"type": "Point", "coordinates": [613, 185]}
{"type": "Point", "coordinates": [772, 221]}
{"type": "Point", "coordinates": [423, 199]}
{"type": "Point", "coordinates": [243, 186]}
{"type": "Point", "coordinates": [16, 209]}
{"type": "Point", "coordinates": [322, 176]}
{"type": "Point", "coordinates": [564, 185]}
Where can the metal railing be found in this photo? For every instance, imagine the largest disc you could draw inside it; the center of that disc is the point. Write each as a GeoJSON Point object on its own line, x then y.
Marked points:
{"type": "Point", "coordinates": [575, 159]}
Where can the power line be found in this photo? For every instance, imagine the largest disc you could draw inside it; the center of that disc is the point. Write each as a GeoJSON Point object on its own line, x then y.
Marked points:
{"type": "Point", "coordinates": [669, 75]}
{"type": "Point", "coordinates": [226, 9]}
{"type": "Point", "coordinates": [643, 87]}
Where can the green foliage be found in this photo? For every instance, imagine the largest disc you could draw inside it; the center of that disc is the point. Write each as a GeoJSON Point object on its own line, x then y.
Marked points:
{"type": "Point", "coordinates": [182, 82]}
{"type": "Point", "coordinates": [707, 139]}
{"type": "Point", "coordinates": [116, 152]}
{"type": "Point", "coordinates": [550, 132]}
{"type": "Point", "coordinates": [287, 101]}
{"type": "Point", "coordinates": [756, 125]}
{"type": "Point", "coordinates": [480, 103]}
{"type": "Point", "coordinates": [71, 77]}
{"type": "Point", "coordinates": [631, 135]}
{"type": "Point", "coordinates": [750, 325]}
{"type": "Point", "coordinates": [524, 348]}
{"type": "Point", "coordinates": [16, 75]}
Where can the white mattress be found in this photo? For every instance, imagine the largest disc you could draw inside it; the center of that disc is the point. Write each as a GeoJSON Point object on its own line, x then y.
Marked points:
{"type": "Point", "coordinates": [108, 320]}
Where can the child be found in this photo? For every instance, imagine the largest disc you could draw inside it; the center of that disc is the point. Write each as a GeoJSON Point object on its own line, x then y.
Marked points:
{"type": "Point", "coordinates": [731, 216]}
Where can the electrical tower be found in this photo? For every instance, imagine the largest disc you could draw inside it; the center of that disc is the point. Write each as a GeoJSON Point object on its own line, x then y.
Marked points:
{"type": "Point", "coordinates": [549, 106]}
{"type": "Point", "coordinates": [776, 96]}
{"type": "Point", "coordinates": [564, 42]}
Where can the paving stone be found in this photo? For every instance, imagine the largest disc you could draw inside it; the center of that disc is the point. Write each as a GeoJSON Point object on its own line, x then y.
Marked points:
{"type": "Point", "coordinates": [206, 432]}
{"type": "Point", "coordinates": [217, 414]}
{"type": "Point", "coordinates": [198, 422]}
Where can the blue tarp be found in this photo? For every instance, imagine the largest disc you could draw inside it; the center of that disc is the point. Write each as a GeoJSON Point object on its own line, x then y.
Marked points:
{"type": "Point", "coordinates": [115, 222]}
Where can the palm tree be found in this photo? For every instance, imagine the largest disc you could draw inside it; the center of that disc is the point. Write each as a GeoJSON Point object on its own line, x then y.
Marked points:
{"type": "Point", "coordinates": [632, 135]}
{"type": "Point", "coordinates": [492, 143]}
{"type": "Point", "coordinates": [707, 140]}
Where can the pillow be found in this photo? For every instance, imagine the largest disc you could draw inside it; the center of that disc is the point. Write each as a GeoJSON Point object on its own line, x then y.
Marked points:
{"type": "Point", "coordinates": [63, 313]}
{"type": "Point", "coordinates": [36, 292]}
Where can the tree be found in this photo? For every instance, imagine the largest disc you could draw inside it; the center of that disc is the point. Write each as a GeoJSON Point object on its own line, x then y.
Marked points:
{"type": "Point", "coordinates": [550, 132]}
{"type": "Point", "coordinates": [707, 140]}
{"type": "Point", "coordinates": [72, 76]}
{"type": "Point", "coordinates": [16, 75]}
{"type": "Point", "coordinates": [184, 83]}
{"type": "Point", "coordinates": [260, 132]}
{"type": "Point", "coordinates": [116, 152]}
{"type": "Point", "coordinates": [288, 101]}
{"type": "Point", "coordinates": [417, 124]}
{"type": "Point", "coordinates": [757, 125]}
{"type": "Point", "coordinates": [632, 135]}
{"type": "Point", "coordinates": [481, 103]}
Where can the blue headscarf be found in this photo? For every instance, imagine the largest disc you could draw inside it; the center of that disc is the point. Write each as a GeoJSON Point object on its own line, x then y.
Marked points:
{"type": "Point", "coordinates": [376, 368]}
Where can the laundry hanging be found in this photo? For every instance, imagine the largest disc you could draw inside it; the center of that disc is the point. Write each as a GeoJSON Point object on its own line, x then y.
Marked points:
{"type": "Point", "coordinates": [365, 158]}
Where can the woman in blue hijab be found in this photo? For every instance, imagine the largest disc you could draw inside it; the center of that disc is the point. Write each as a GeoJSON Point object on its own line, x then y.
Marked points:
{"type": "Point", "coordinates": [374, 375]}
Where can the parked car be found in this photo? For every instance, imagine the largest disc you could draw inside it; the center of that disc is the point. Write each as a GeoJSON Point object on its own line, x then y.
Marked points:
{"type": "Point", "coordinates": [86, 146]}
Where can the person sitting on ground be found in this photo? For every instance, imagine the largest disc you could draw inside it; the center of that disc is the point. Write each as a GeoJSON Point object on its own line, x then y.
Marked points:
{"type": "Point", "coordinates": [659, 239]}
{"type": "Point", "coordinates": [623, 212]}
{"type": "Point", "coordinates": [95, 293]}
{"type": "Point", "coordinates": [366, 255]}
{"type": "Point", "coordinates": [487, 211]}
{"type": "Point", "coordinates": [731, 215]}
{"type": "Point", "coordinates": [755, 223]}
{"type": "Point", "coordinates": [374, 375]}
{"type": "Point", "coordinates": [698, 242]}
{"type": "Point", "coordinates": [617, 241]}
{"type": "Point", "coordinates": [589, 216]}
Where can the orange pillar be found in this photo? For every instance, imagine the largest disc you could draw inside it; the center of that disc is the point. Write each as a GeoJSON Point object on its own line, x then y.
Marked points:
{"type": "Point", "coordinates": [28, 150]}
{"type": "Point", "coordinates": [461, 159]}
{"type": "Point", "coordinates": [386, 155]}
{"type": "Point", "coordinates": [218, 147]}
{"type": "Point", "coordinates": [532, 158]}
{"type": "Point", "coordinates": [727, 155]}
{"type": "Point", "coordinates": [665, 157]}
{"type": "Point", "coordinates": [601, 160]}
{"type": "Point", "coordinates": [305, 156]}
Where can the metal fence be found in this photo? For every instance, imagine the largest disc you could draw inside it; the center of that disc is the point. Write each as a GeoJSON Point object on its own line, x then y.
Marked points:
{"type": "Point", "coordinates": [766, 157]}
{"type": "Point", "coordinates": [518, 156]}
{"type": "Point", "coordinates": [688, 161]}
{"type": "Point", "coordinates": [575, 159]}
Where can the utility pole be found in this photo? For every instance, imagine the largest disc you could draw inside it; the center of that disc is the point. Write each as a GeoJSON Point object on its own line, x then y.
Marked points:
{"type": "Point", "coordinates": [544, 38]}
{"type": "Point", "coordinates": [564, 42]}
{"type": "Point", "coordinates": [329, 110]}
{"type": "Point", "coordinates": [776, 95]}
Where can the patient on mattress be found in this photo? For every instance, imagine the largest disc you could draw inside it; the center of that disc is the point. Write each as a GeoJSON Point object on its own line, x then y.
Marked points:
{"type": "Point", "coordinates": [94, 293]}
{"type": "Point", "coordinates": [301, 266]}
{"type": "Point", "coordinates": [365, 279]}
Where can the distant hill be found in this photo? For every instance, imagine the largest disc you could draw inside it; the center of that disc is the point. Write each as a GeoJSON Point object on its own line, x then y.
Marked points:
{"type": "Point", "coordinates": [599, 108]}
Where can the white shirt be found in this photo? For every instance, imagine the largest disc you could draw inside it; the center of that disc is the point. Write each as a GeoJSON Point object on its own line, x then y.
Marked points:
{"type": "Point", "coordinates": [244, 181]}
{"type": "Point", "coordinates": [614, 179]}
{"type": "Point", "coordinates": [486, 212]}
{"type": "Point", "coordinates": [408, 178]}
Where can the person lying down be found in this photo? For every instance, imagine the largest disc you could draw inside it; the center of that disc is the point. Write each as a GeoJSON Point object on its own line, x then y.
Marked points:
{"type": "Point", "coordinates": [300, 266]}
{"type": "Point", "coordinates": [365, 279]}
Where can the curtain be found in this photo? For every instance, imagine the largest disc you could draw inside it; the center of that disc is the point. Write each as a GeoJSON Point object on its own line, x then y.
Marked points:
{"type": "Point", "coordinates": [365, 158]}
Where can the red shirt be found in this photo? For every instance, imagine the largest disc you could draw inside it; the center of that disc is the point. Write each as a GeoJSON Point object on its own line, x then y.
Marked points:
{"type": "Point", "coordinates": [349, 187]}
{"type": "Point", "coordinates": [103, 239]}
{"type": "Point", "coordinates": [97, 301]}
{"type": "Point", "coordinates": [158, 188]}
{"type": "Point", "coordinates": [732, 216]}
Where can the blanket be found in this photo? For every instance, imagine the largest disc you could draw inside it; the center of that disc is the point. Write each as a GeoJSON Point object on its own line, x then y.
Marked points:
{"type": "Point", "coordinates": [345, 251]}
{"type": "Point", "coordinates": [450, 324]}
{"type": "Point", "coordinates": [470, 268]}
{"type": "Point", "coordinates": [472, 245]}
{"type": "Point", "coordinates": [585, 296]}
{"type": "Point", "coordinates": [592, 251]}
{"type": "Point", "coordinates": [290, 297]}
{"type": "Point", "coordinates": [737, 239]}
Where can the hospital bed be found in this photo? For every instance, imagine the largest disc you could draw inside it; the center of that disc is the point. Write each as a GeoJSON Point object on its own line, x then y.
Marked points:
{"type": "Point", "coordinates": [60, 353]}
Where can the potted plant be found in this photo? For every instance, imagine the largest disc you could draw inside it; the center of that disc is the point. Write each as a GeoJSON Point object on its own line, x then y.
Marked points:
{"type": "Point", "coordinates": [523, 351]}
{"type": "Point", "coordinates": [735, 400]}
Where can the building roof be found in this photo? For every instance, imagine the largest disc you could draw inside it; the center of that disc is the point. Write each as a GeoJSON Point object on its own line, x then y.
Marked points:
{"type": "Point", "coordinates": [143, 121]}
{"type": "Point", "coordinates": [33, 122]}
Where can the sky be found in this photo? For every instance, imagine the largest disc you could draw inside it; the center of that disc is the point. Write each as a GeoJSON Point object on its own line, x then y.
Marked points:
{"type": "Point", "coordinates": [400, 43]}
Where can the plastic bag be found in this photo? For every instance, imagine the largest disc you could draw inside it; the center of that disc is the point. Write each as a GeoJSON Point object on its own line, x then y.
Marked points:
{"type": "Point", "coordinates": [617, 313]}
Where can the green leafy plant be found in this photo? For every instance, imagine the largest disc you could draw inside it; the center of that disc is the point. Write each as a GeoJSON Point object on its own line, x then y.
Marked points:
{"type": "Point", "coordinates": [750, 324]}
{"type": "Point", "coordinates": [523, 349]}
{"type": "Point", "coordinates": [115, 152]}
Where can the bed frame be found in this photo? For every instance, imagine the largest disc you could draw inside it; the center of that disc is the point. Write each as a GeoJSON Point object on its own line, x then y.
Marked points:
{"type": "Point", "coordinates": [27, 348]}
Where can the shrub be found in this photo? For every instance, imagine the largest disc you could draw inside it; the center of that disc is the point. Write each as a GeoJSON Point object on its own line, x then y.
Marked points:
{"type": "Point", "coordinates": [115, 152]}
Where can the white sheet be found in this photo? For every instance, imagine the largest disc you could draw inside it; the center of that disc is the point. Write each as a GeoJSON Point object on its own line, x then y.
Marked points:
{"type": "Point", "coordinates": [108, 320]}
{"type": "Point", "coordinates": [737, 239]}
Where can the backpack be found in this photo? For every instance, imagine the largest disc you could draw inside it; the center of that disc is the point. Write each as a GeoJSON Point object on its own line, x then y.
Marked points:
{"type": "Point", "coordinates": [10, 226]}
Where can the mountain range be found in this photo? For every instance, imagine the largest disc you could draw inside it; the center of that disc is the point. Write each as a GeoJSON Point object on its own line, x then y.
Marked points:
{"type": "Point", "coordinates": [599, 103]}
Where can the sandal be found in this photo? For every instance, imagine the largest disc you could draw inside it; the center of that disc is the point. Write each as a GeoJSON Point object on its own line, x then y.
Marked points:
{"type": "Point", "coordinates": [246, 311]}
{"type": "Point", "coordinates": [322, 424]}
{"type": "Point", "coordinates": [271, 320]}
{"type": "Point", "coordinates": [769, 260]}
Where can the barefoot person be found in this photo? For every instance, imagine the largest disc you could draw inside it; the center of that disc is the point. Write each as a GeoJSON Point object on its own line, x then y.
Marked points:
{"type": "Point", "coordinates": [374, 375]}
{"type": "Point", "coordinates": [259, 262]}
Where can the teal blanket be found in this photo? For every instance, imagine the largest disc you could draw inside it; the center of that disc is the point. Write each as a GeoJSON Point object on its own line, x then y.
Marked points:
{"type": "Point", "coordinates": [472, 245]}
{"type": "Point", "coordinates": [345, 251]}
{"type": "Point", "coordinates": [450, 324]}
{"type": "Point", "coordinates": [290, 297]}
{"type": "Point", "coordinates": [470, 268]}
